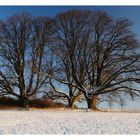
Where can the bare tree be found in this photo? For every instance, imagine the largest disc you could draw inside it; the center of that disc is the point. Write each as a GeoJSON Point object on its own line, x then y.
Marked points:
{"type": "Point", "coordinates": [99, 54]}
{"type": "Point", "coordinates": [57, 90]}
{"type": "Point", "coordinates": [22, 52]}
{"type": "Point", "coordinates": [66, 32]}
{"type": "Point", "coordinates": [88, 53]}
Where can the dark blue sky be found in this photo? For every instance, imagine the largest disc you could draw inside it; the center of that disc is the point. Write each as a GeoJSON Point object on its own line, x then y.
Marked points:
{"type": "Point", "coordinates": [130, 12]}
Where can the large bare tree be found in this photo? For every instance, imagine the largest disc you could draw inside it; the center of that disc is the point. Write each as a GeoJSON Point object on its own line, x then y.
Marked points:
{"type": "Point", "coordinates": [97, 53]}
{"type": "Point", "coordinates": [67, 28]}
{"type": "Point", "coordinates": [22, 54]}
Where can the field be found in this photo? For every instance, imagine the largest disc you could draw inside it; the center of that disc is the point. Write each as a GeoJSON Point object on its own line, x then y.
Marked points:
{"type": "Point", "coordinates": [68, 122]}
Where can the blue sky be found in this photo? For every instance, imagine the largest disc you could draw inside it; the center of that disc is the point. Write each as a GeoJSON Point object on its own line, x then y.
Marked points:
{"type": "Point", "coordinates": [130, 12]}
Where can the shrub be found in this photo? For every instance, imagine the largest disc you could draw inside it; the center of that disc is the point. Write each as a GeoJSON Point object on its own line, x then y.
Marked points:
{"type": "Point", "coordinates": [37, 103]}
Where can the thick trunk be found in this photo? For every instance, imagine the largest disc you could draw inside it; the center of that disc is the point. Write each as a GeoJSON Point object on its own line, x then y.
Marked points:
{"type": "Point", "coordinates": [92, 103]}
{"type": "Point", "coordinates": [24, 103]}
{"type": "Point", "coordinates": [70, 103]}
{"type": "Point", "coordinates": [72, 100]}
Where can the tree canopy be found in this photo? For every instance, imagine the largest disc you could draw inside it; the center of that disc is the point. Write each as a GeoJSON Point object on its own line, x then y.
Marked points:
{"type": "Point", "coordinates": [91, 54]}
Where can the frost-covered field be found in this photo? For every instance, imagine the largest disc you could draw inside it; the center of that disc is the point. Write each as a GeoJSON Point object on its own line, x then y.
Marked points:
{"type": "Point", "coordinates": [68, 122]}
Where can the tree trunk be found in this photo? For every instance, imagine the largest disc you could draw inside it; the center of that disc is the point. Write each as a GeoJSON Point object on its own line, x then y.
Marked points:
{"type": "Point", "coordinates": [70, 103]}
{"type": "Point", "coordinates": [89, 106]}
{"type": "Point", "coordinates": [91, 103]}
{"type": "Point", "coordinates": [25, 103]}
{"type": "Point", "coordinates": [72, 100]}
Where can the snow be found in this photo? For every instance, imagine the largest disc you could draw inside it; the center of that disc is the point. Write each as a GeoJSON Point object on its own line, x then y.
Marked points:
{"type": "Point", "coordinates": [68, 122]}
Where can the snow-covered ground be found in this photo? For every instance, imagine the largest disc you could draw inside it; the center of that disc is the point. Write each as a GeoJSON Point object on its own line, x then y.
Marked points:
{"type": "Point", "coordinates": [68, 122]}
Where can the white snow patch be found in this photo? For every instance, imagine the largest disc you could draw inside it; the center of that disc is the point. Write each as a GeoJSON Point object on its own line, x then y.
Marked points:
{"type": "Point", "coordinates": [68, 122]}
